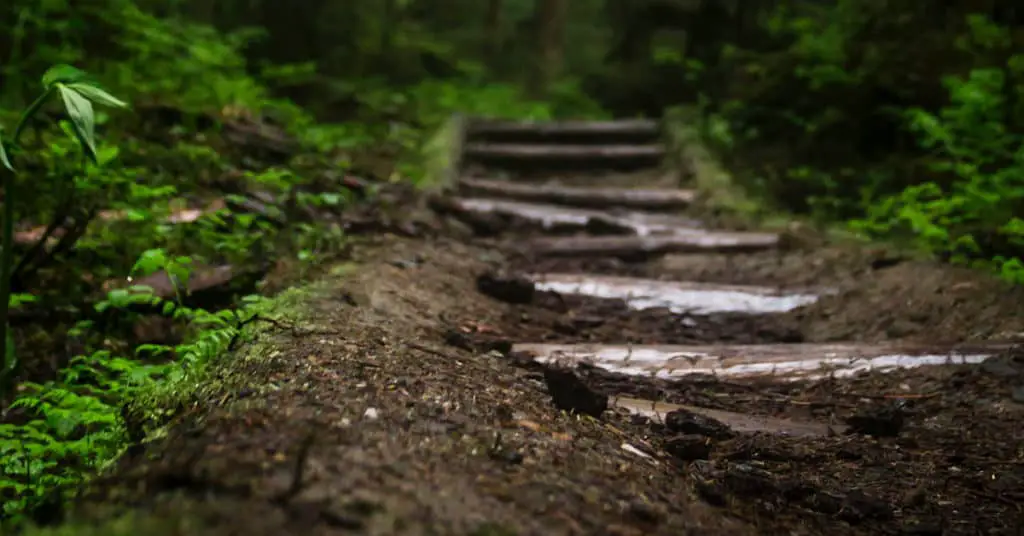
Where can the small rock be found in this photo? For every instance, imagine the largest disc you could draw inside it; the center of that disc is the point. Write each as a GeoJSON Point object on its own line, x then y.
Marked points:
{"type": "Point", "coordinates": [646, 512]}
{"type": "Point", "coordinates": [456, 338]}
{"type": "Point", "coordinates": [711, 492]}
{"type": "Point", "coordinates": [705, 469]}
{"type": "Point", "coordinates": [884, 420]}
{"type": "Point", "coordinates": [1001, 368]}
{"type": "Point", "coordinates": [883, 262]}
{"type": "Point", "coordinates": [745, 479]}
{"type": "Point", "coordinates": [588, 322]}
{"type": "Point", "coordinates": [511, 457]}
{"type": "Point", "coordinates": [507, 288]}
{"type": "Point", "coordinates": [371, 414]}
{"type": "Point", "coordinates": [689, 447]}
{"type": "Point", "coordinates": [859, 507]}
{"type": "Point", "coordinates": [685, 422]}
{"type": "Point", "coordinates": [923, 529]}
{"type": "Point", "coordinates": [569, 393]}
{"type": "Point", "coordinates": [901, 328]}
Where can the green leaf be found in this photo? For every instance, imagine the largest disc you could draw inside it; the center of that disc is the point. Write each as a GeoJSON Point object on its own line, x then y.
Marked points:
{"type": "Point", "coordinates": [12, 360]}
{"type": "Point", "coordinates": [97, 95]}
{"type": "Point", "coordinates": [150, 262]}
{"type": "Point", "coordinates": [62, 74]}
{"type": "Point", "coordinates": [3, 156]}
{"type": "Point", "coordinates": [80, 110]}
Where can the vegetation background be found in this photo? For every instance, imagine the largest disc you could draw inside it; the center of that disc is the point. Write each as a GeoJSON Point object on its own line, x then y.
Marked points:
{"type": "Point", "coordinates": [899, 119]}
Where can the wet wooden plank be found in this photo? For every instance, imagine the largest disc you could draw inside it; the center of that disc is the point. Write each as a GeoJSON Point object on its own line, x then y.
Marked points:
{"type": "Point", "coordinates": [559, 218]}
{"type": "Point", "coordinates": [587, 197]}
{"type": "Point", "coordinates": [566, 128]}
{"type": "Point", "coordinates": [523, 151]}
{"type": "Point", "coordinates": [742, 423]}
{"type": "Point", "coordinates": [681, 297]}
{"type": "Point", "coordinates": [645, 246]}
{"type": "Point", "coordinates": [780, 361]}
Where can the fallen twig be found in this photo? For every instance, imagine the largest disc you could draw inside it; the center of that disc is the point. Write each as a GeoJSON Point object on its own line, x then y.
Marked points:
{"type": "Point", "coordinates": [298, 469]}
{"type": "Point", "coordinates": [429, 350]}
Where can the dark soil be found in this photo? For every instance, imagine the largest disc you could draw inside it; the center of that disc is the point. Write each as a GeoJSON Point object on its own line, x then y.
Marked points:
{"type": "Point", "coordinates": [945, 457]}
{"type": "Point", "coordinates": [936, 450]}
{"type": "Point", "coordinates": [366, 422]}
{"type": "Point", "coordinates": [932, 451]}
{"type": "Point", "coordinates": [878, 294]}
{"type": "Point", "coordinates": [395, 407]}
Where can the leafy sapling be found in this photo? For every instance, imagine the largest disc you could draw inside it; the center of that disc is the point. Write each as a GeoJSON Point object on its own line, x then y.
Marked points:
{"type": "Point", "coordinates": [77, 94]}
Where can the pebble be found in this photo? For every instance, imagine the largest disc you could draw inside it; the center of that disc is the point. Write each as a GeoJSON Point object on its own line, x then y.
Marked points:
{"type": "Point", "coordinates": [1018, 395]}
{"type": "Point", "coordinates": [371, 414]}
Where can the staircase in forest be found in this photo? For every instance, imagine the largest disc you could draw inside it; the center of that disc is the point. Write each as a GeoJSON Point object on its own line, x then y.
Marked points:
{"type": "Point", "coordinates": [593, 212]}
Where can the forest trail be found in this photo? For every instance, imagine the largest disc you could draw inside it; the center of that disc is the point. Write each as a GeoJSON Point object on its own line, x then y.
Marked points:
{"type": "Point", "coordinates": [571, 350]}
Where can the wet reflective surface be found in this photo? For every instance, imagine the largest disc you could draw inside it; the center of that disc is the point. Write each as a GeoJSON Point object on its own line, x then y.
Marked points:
{"type": "Point", "coordinates": [581, 196]}
{"type": "Point", "coordinates": [784, 361]}
{"type": "Point", "coordinates": [551, 215]}
{"type": "Point", "coordinates": [679, 297]}
{"type": "Point", "coordinates": [738, 422]}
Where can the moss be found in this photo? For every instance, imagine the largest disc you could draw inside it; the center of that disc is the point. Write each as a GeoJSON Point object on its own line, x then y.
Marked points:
{"type": "Point", "coordinates": [208, 386]}
{"type": "Point", "coordinates": [126, 525]}
{"type": "Point", "coordinates": [724, 197]}
{"type": "Point", "coordinates": [493, 529]}
{"type": "Point", "coordinates": [440, 155]}
{"type": "Point", "coordinates": [715, 185]}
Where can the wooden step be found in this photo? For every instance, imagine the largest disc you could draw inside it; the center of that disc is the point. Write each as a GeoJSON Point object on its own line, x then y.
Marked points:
{"type": "Point", "coordinates": [560, 220]}
{"type": "Point", "coordinates": [525, 151]}
{"type": "Point", "coordinates": [586, 197]}
{"type": "Point", "coordinates": [621, 131]}
{"type": "Point", "coordinates": [522, 156]}
{"type": "Point", "coordinates": [780, 361]}
{"type": "Point", "coordinates": [680, 297]}
{"type": "Point", "coordinates": [694, 241]}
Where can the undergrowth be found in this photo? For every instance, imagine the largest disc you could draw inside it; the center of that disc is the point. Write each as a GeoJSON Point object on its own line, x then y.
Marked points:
{"type": "Point", "coordinates": [863, 114]}
{"type": "Point", "coordinates": [152, 202]}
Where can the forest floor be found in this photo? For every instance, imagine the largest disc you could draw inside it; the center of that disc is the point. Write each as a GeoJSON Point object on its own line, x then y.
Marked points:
{"type": "Point", "coordinates": [404, 393]}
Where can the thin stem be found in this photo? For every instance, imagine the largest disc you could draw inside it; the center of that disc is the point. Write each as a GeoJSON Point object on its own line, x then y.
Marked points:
{"type": "Point", "coordinates": [29, 112]}
{"type": "Point", "coordinates": [7, 367]}
{"type": "Point", "coordinates": [6, 266]}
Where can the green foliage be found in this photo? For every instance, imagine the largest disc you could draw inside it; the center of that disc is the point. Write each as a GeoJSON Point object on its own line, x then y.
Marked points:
{"type": "Point", "coordinates": [103, 216]}
{"type": "Point", "coordinates": [77, 95]}
{"type": "Point", "coordinates": [976, 212]}
{"type": "Point", "coordinates": [75, 425]}
{"type": "Point", "coordinates": [842, 117]}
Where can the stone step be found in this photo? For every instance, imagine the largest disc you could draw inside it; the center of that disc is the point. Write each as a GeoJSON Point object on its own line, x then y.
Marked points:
{"type": "Point", "coordinates": [787, 362]}
{"type": "Point", "coordinates": [581, 196]}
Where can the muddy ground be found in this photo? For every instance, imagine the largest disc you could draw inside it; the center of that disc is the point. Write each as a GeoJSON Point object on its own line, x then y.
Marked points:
{"type": "Point", "coordinates": [386, 401]}
{"type": "Point", "coordinates": [365, 421]}
{"type": "Point", "coordinates": [954, 465]}
{"type": "Point", "coordinates": [394, 409]}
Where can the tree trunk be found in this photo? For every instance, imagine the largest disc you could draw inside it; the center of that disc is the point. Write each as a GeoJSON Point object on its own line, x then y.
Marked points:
{"type": "Point", "coordinates": [492, 29]}
{"type": "Point", "coordinates": [551, 20]}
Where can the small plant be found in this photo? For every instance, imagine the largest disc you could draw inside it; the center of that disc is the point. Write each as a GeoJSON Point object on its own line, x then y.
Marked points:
{"type": "Point", "coordinates": [77, 94]}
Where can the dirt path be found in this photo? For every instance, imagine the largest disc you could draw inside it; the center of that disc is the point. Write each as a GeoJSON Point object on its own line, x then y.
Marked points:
{"type": "Point", "coordinates": [569, 353]}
